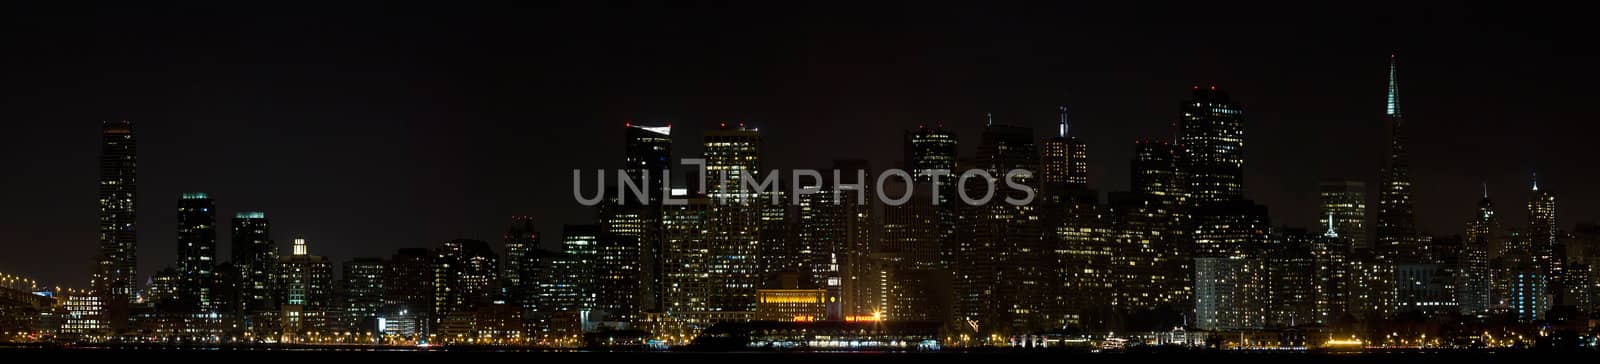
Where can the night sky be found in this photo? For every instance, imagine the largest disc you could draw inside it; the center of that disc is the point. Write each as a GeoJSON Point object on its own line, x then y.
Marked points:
{"type": "Point", "coordinates": [367, 128]}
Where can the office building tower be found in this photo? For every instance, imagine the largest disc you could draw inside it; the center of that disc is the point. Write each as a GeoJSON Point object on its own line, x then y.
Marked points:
{"type": "Point", "coordinates": [408, 285]}
{"type": "Point", "coordinates": [733, 154]}
{"type": "Point", "coordinates": [1229, 274]}
{"type": "Point", "coordinates": [1485, 241]}
{"type": "Point", "coordinates": [1158, 172]}
{"type": "Point", "coordinates": [1000, 270]}
{"type": "Point", "coordinates": [617, 276]}
{"type": "Point", "coordinates": [1542, 233]}
{"type": "Point", "coordinates": [1158, 216]}
{"type": "Point", "coordinates": [1331, 254]}
{"type": "Point", "coordinates": [928, 149]}
{"type": "Point", "coordinates": [1227, 293]}
{"type": "Point", "coordinates": [1344, 204]}
{"type": "Point", "coordinates": [1082, 281]}
{"type": "Point", "coordinates": [1291, 279]}
{"type": "Point", "coordinates": [465, 273]}
{"type": "Point", "coordinates": [255, 256]}
{"type": "Point", "coordinates": [116, 266]}
{"type": "Point", "coordinates": [1396, 231]}
{"type": "Point", "coordinates": [520, 239]}
{"type": "Point", "coordinates": [1211, 131]}
{"type": "Point", "coordinates": [364, 294]}
{"type": "Point", "coordinates": [632, 231]}
{"type": "Point", "coordinates": [686, 250]}
{"type": "Point", "coordinates": [648, 159]}
{"type": "Point", "coordinates": [1064, 159]}
{"type": "Point", "coordinates": [307, 280]}
{"type": "Point", "coordinates": [197, 250]}
{"type": "Point", "coordinates": [836, 237]}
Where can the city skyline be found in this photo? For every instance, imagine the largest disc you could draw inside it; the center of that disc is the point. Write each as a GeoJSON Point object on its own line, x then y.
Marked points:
{"type": "Point", "coordinates": [1409, 180]}
{"type": "Point", "coordinates": [423, 136]}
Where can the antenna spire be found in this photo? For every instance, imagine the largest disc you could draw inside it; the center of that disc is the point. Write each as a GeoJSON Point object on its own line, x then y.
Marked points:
{"type": "Point", "coordinates": [988, 119]}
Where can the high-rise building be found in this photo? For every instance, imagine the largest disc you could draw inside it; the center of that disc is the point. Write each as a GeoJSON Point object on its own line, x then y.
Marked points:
{"type": "Point", "coordinates": [1542, 232]}
{"type": "Point", "coordinates": [1083, 281]}
{"type": "Point", "coordinates": [1211, 131]}
{"type": "Point", "coordinates": [1229, 274]}
{"type": "Point", "coordinates": [1291, 279]}
{"type": "Point", "coordinates": [408, 288]}
{"type": "Point", "coordinates": [579, 263]}
{"type": "Point", "coordinates": [1159, 215]}
{"type": "Point", "coordinates": [1001, 264]}
{"type": "Point", "coordinates": [363, 293]}
{"type": "Point", "coordinates": [648, 159]}
{"type": "Point", "coordinates": [1333, 278]}
{"type": "Point", "coordinates": [931, 148]}
{"type": "Point", "coordinates": [631, 231]}
{"type": "Point", "coordinates": [1158, 172]}
{"type": "Point", "coordinates": [307, 279]}
{"type": "Point", "coordinates": [1064, 159]}
{"type": "Point", "coordinates": [197, 250]}
{"type": "Point", "coordinates": [116, 266]}
{"type": "Point", "coordinates": [520, 239]}
{"type": "Point", "coordinates": [1227, 293]}
{"type": "Point", "coordinates": [733, 154]}
{"type": "Point", "coordinates": [306, 290]}
{"type": "Point", "coordinates": [1396, 233]}
{"type": "Point", "coordinates": [617, 276]}
{"type": "Point", "coordinates": [464, 275]}
{"type": "Point", "coordinates": [255, 256]}
{"type": "Point", "coordinates": [686, 250]}
{"type": "Point", "coordinates": [1484, 243]}
{"type": "Point", "coordinates": [836, 238]}
{"type": "Point", "coordinates": [1344, 204]}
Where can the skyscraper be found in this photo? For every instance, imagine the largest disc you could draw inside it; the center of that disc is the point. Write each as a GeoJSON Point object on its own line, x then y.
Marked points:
{"type": "Point", "coordinates": [1064, 159]}
{"type": "Point", "coordinates": [363, 293]}
{"type": "Point", "coordinates": [732, 154]}
{"type": "Point", "coordinates": [1158, 172]}
{"type": "Point", "coordinates": [647, 157]}
{"type": "Point", "coordinates": [1397, 234]}
{"type": "Point", "coordinates": [520, 239]}
{"type": "Point", "coordinates": [305, 291]}
{"type": "Point", "coordinates": [197, 250]}
{"type": "Point", "coordinates": [1229, 274]}
{"type": "Point", "coordinates": [464, 274]}
{"type": "Point", "coordinates": [1542, 232]}
{"type": "Point", "coordinates": [617, 277]}
{"type": "Point", "coordinates": [1485, 240]}
{"type": "Point", "coordinates": [686, 250]}
{"type": "Point", "coordinates": [408, 286]}
{"type": "Point", "coordinates": [307, 279]}
{"type": "Point", "coordinates": [1000, 274]}
{"type": "Point", "coordinates": [931, 148]}
{"type": "Point", "coordinates": [1211, 131]}
{"type": "Point", "coordinates": [117, 266]}
{"type": "Point", "coordinates": [256, 258]}
{"type": "Point", "coordinates": [1160, 214]}
{"type": "Point", "coordinates": [1344, 205]}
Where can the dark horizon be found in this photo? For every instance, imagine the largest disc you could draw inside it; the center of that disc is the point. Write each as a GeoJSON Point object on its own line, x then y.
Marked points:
{"type": "Point", "coordinates": [368, 130]}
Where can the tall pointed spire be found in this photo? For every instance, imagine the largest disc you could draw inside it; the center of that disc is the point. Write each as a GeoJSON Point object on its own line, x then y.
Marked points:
{"type": "Point", "coordinates": [1393, 104]}
{"type": "Point", "coordinates": [1535, 181]}
{"type": "Point", "coordinates": [988, 119]}
{"type": "Point", "coordinates": [1485, 190]}
{"type": "Point", "coordinates": [1062, 129]}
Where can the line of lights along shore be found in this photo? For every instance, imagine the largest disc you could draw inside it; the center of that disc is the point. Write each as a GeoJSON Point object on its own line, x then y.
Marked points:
{"type": "Point", "coordinates": [1182, 259]}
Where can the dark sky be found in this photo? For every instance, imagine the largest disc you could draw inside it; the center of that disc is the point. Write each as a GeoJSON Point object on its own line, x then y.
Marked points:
{"type": "Point", "coordinates": [367, 127]}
